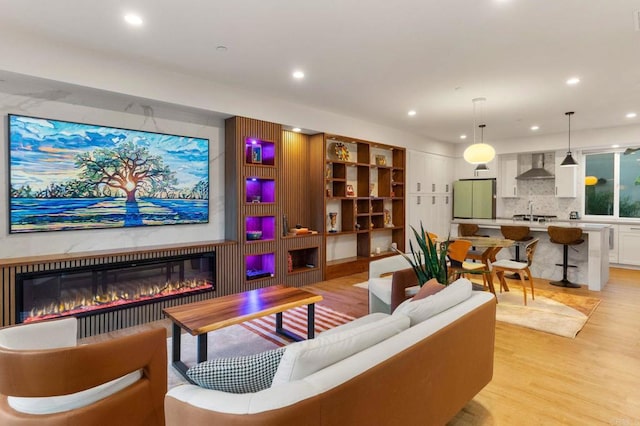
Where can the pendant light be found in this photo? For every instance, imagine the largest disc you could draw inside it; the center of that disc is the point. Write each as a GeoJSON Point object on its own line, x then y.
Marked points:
{"type": "Point", "coordinates": [568, 160]}
{"type": "Point", "coordinates": [479, 153]}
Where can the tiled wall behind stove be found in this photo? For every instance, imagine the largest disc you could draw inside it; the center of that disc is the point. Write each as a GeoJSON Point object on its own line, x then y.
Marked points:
{"type": "Point", "coordinates": [542, 194]}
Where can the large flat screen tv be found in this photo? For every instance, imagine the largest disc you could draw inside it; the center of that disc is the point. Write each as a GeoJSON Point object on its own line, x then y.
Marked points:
{"type": "Point", "coordinates": [69, 176]}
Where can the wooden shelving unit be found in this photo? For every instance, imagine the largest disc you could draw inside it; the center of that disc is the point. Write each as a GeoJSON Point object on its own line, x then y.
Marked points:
{"type": "Point", "coordinates": [361, 182]}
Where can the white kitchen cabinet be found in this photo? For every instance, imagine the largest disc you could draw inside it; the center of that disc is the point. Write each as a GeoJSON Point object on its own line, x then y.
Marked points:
{"type": "Point", "coordinates": [433, 210]}
{"type": "Point", "coordinates": [428, 173]}
{"type": "Point", "coordinates": [613, 244]}
{"type": "Point", "coordinates": [464, 170]}
{"type": "Point", "coordinates": [629, 244]}
{"type": "Point", "coordinates": [507, 178]}
{"type": "Point", "coordinates": [417, 172]}
{"type": "Point", "coordinates": [566, 178]}
{"type": "Point", "coordinates": [441, 174]}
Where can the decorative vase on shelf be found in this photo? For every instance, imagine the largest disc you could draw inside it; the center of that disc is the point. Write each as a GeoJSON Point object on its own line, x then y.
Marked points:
{"type": "Point", "coordinates": [333, 216]}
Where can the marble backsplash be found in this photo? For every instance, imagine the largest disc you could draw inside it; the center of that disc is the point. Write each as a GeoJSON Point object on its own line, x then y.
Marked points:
{"type": "Point", "coordinates": [542, 194]}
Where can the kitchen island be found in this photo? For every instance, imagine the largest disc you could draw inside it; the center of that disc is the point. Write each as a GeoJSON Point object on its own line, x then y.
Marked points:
{"type": "Point", "coordinates": [590, 257]}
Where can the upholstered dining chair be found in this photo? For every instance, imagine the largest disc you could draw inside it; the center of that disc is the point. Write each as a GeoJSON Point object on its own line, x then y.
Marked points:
{"type": "Point", "coordinates": [458, 253]}
{"type": "Point", "coordinates": [47, 379]}
{"type": "Point", "coordinates": [520, 268]}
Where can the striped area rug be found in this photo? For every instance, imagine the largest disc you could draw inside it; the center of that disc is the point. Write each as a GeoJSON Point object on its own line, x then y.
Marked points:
{"type": "Point", "coordinates": [295, 320]}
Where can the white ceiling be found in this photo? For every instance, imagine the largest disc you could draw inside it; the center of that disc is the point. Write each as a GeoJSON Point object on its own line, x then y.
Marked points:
{"type": "Point", "coordinates": [375, 60]}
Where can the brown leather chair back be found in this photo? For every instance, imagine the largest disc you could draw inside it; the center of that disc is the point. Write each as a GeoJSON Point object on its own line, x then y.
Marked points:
{"type": "Point", "coordinates": [53, 372]}
{"type": "Point", "coordinates": [515, 233]}
{"type": "Point", "coordinates": [565, 235]}
{"type": "Point", "coordinates": [467, 229]}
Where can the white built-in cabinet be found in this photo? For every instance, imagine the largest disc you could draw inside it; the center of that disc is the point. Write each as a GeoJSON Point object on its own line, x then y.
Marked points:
{"type": "Point", "coordinates": [507, 177]}
{"type": "Point", "coordinates": [417, 169]}
{"type": "Point", "coordinates": [466, 170]}
{"type": "Point", "coordinates": [566, 178]}
{"type": "Point", "coordinates": [429, 187]}
{"type": "Point", "coordinates": [629, 244]}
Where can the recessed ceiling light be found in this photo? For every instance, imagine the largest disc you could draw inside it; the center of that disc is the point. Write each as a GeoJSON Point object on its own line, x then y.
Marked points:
{"type": "Point", "coordinates": [296, 129]}
{"type": "Point", "coordinates": [412, 112]}
{"type": "Point", "coordinates": [615, 145]}
{"type": "Point", "coordinates": [133, 19]}
{"type": "Point", "coordinates": [534, 128]}
{"type": "Point", "coordinates": [573, 81]}
{"type": "Point", "coordinates": [463, 136]}
{"type": "Point", "coordinates": [298, 74]}
{"type": "Point", "coordinates": [631, 115]}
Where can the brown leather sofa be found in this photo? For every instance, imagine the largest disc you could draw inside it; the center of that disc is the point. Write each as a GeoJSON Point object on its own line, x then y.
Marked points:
{"type": "Point", "coordinates": [47, 372]}
{"type": "Point", "coordinates": [422, 376]}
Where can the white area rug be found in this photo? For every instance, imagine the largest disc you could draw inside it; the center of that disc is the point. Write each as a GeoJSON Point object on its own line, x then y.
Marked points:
{"type": "Point", "coordinates": [364, 285]}
{"type": "Point", "coordinates": [541, 314]}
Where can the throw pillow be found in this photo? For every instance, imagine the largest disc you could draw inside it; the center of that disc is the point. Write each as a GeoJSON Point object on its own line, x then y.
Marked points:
{"type": "Point", "coordinates": [423, 309]}
{"type": "Point", "coordinates": [240, 374]}
{"type": "Point", "coordinates": [429, 288]}
{"type": "Point", "coordinates": [304, 358]}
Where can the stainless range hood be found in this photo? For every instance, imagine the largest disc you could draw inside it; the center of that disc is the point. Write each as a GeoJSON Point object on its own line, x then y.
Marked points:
{"type": "Point", "coordinates": [537, 170]}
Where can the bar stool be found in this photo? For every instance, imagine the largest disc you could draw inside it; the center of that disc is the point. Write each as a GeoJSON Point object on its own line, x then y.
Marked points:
{"type": "Point", "coordinates": [519, 234]}
{"type": "Point", "coordinates": [471, 230]}
{"type": "Point", "coordinates": [567, 237]}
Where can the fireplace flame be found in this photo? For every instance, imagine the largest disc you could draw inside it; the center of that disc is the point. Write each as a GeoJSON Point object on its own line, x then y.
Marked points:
{"type": "Point", "coordinates": [114, 298]}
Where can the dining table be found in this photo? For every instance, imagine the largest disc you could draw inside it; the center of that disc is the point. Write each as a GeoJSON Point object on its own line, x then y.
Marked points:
{"type": "Point", "coordinates": [485, 249]}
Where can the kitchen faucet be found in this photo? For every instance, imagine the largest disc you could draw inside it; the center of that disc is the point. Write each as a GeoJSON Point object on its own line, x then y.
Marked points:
{"type": "Point", "coordinates": [530, 211]}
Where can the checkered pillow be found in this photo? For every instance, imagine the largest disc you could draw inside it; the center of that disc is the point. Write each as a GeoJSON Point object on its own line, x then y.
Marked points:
{"type": "Point", "coordinates": [240, 374]}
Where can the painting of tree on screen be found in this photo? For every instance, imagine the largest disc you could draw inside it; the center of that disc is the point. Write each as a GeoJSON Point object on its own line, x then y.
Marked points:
{"type": "Point", "coordinates": [67, 175]}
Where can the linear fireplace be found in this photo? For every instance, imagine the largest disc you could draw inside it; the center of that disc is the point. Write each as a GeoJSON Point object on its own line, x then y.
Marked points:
{"type": "Point", "coordinates": [96, 289]}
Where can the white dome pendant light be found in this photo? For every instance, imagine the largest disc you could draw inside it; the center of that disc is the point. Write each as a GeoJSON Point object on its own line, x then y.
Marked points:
{"type": "Point", "coordinates": [479, 153]}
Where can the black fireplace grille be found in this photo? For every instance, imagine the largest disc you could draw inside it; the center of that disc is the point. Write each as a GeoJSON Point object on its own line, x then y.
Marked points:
{"type": "Point", "coordinates": [95, 289]}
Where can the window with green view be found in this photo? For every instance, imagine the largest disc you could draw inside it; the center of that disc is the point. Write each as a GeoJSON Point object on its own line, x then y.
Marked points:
{"type": "Point", "coordinates": [612, 184]}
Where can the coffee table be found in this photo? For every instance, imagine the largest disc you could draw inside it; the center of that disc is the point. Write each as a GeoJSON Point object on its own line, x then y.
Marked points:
{"type": "Point", "coordinates": [199, 318]}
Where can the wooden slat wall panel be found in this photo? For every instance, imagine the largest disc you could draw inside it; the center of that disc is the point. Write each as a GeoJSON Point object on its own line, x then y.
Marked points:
{"type": "Point", "coordinates": [293, 181]}
{"type": "Point", "coordinates": [228, 262]}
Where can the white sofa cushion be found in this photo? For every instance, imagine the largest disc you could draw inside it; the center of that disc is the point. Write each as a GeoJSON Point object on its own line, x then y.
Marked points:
{"type": "Point", "coordinates": [59, 404]}
{"type": "Point", "coordinates": [420, 310]}
{"type": "Point", "coordinates": [358, 322]}
{"type": "Point", "coordinates": [301, 359]}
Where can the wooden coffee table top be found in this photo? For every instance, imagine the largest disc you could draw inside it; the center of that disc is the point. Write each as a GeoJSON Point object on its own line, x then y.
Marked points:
{"type": "Point", "coordinates": [213, 314]}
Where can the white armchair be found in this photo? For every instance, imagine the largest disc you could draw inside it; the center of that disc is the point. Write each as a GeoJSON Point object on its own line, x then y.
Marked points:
{"type": "Point", "coordinates": [380, 280]}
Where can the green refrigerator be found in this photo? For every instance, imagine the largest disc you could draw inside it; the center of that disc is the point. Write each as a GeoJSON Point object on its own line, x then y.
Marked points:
{"type": "Point", "coordinates": [474, 199]}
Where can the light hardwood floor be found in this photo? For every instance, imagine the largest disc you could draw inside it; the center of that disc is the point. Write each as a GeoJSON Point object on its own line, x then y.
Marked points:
{"type": "Point", "coordinates": [539, 378]}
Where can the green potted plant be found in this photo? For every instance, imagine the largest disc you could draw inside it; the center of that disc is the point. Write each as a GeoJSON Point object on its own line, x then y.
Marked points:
{"type": "Point", "coordinates": [429, 258]}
